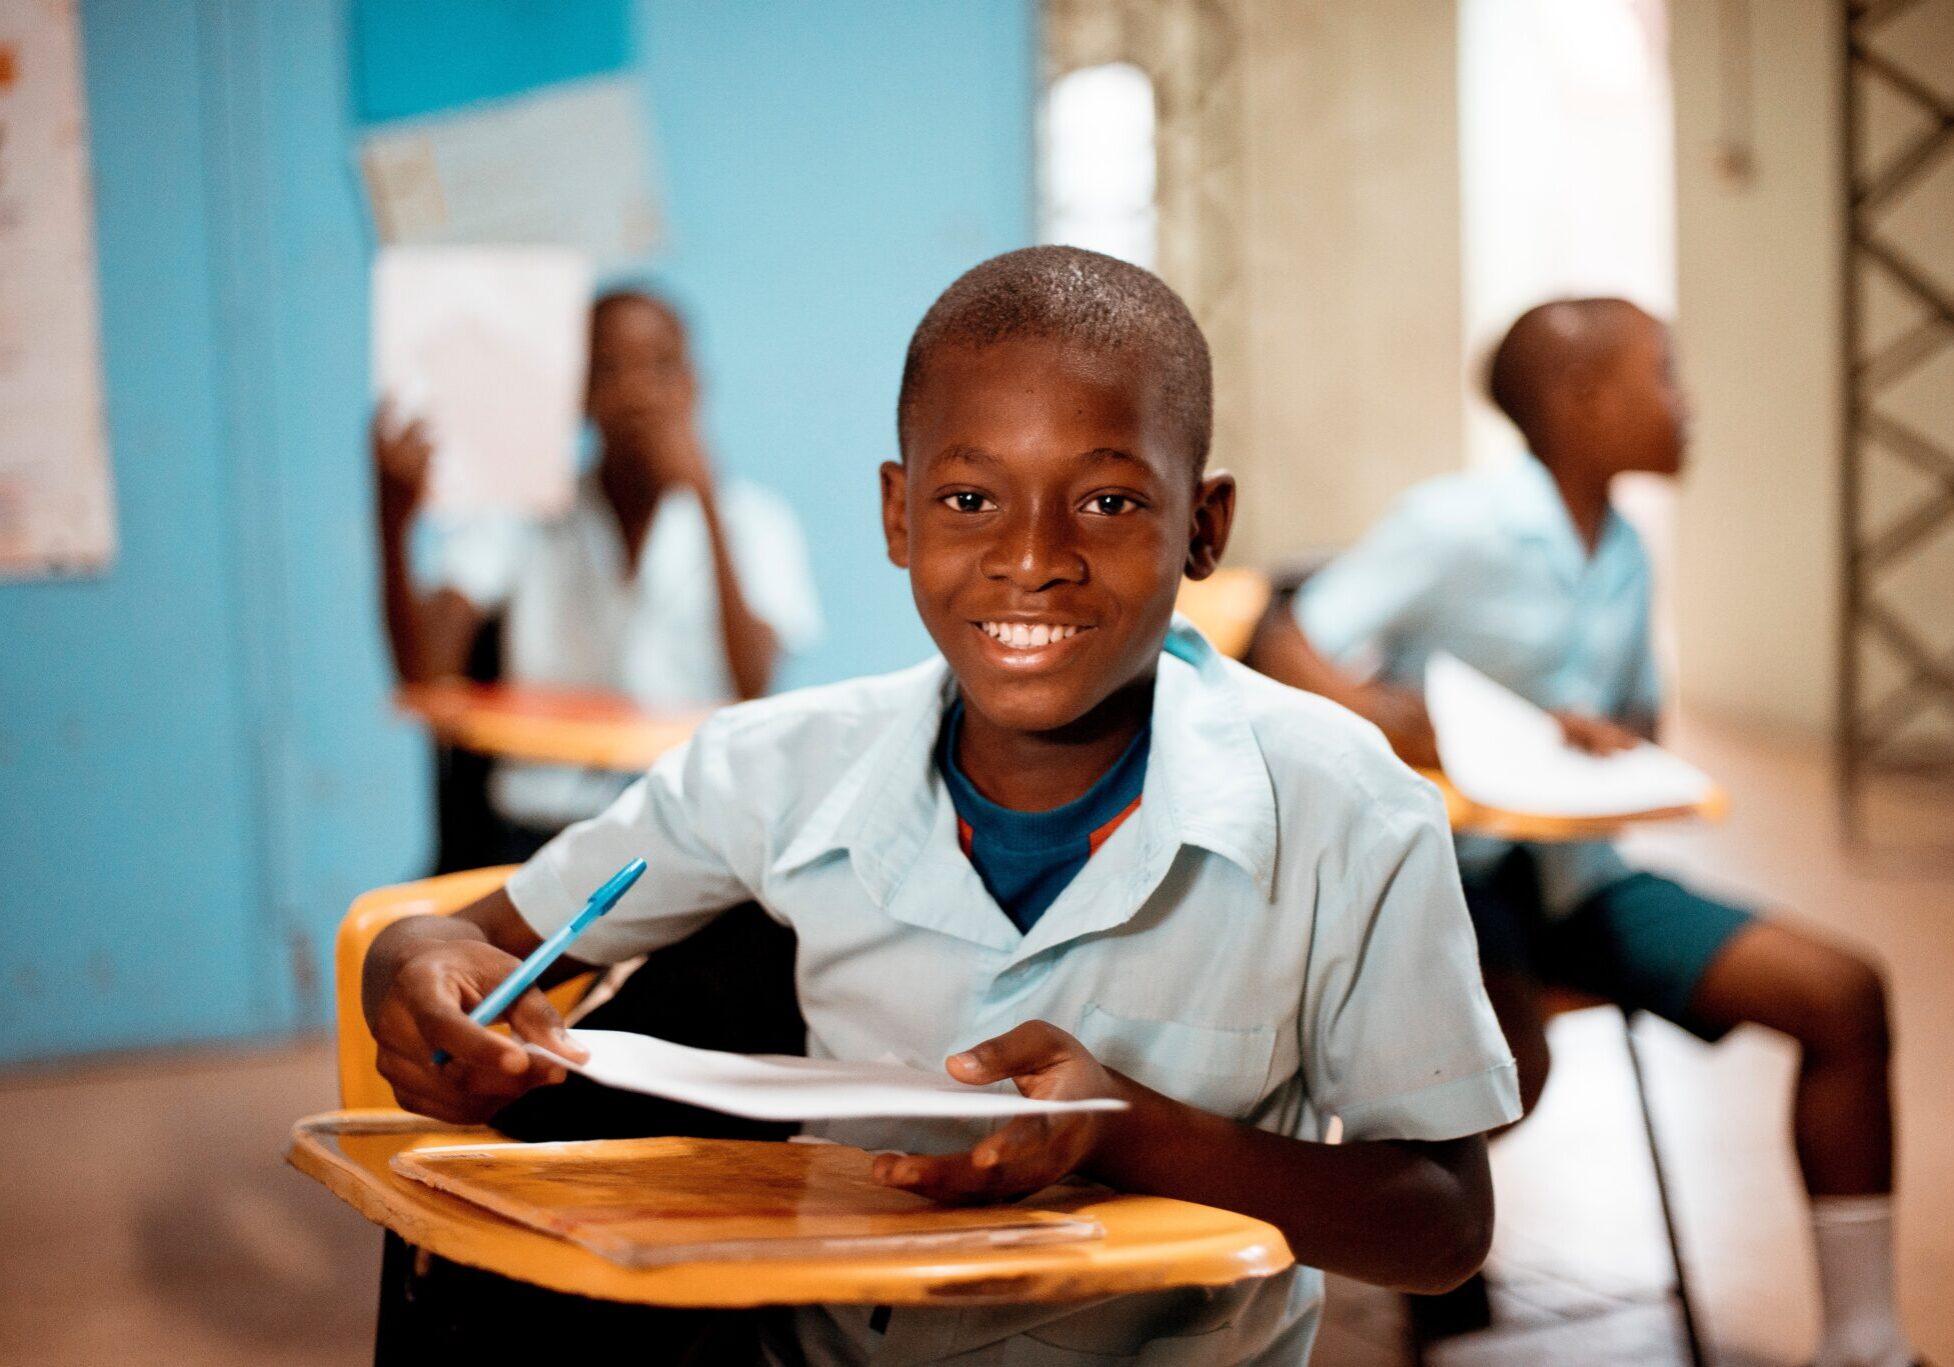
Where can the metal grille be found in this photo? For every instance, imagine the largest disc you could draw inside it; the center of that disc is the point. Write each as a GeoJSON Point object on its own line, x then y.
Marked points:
{"type": "Point", "coordinates": [1896, 665]}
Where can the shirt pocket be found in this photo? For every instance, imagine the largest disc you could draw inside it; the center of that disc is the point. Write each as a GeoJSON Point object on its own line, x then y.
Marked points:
{"type": "Point", "coordinates": [1217, 1068]}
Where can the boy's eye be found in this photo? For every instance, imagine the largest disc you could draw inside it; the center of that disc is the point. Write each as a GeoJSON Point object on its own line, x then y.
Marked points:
{"type": "Point", "coordinates": [1111, 505]}
{"type": "Point", "coordinates": [964, 501]}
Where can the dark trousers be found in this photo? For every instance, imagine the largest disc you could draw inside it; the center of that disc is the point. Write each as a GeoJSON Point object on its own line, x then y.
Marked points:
{"type": "Point", "coordinates": [730, 986]}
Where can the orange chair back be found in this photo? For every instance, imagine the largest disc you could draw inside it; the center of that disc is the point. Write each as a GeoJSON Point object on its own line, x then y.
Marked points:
{"type": "Point", "coordinates": [1226, 606]}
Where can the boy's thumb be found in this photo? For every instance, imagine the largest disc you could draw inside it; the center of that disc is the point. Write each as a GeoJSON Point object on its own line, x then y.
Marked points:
{"type": "Point", "coordinates": [1025, 1049]}
{"type": "Point", "coordinates": [533, 1018]}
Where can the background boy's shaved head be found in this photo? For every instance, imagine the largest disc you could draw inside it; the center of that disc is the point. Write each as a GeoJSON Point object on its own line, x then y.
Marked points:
{"type": "Point", "coordinates": [1552, 344]}
{"type": "Point", "coordinates": [1070, 295]}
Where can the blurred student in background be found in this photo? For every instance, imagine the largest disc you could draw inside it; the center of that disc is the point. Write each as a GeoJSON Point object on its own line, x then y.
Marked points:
{"type": "Point", "coordinates": [1530, 576]}
{"type": "Point", "coordinates": [663, 583]}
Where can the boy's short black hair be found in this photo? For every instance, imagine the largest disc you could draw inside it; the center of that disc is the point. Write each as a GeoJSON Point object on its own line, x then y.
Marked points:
{"type": "Point", "coordinates": [1068, 294]}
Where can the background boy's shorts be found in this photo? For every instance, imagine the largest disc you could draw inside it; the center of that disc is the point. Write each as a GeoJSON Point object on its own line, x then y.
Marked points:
{"type": "Point", "coordinates": [1641, 941]}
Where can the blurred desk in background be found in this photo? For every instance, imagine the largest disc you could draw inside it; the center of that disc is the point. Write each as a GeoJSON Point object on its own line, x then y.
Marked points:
{"type": "Point", "coordinates": [1471, 818]}
{"type": "Point", "coordinates": [546, 725]}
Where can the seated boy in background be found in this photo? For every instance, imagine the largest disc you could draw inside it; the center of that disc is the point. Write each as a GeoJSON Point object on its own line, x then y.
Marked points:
{"type": "Point", "coordinates": [1530, 576]}
{"type": "Point", "coordinates": [661, 583]}
{"type": "Point", "coordinates": [1080, 851]}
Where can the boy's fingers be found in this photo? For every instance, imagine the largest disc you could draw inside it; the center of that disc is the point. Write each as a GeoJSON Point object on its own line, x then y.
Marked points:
{"type": "Point", "coordinates": [1026, 1136]}
{"type": "Point", "coordinates": [950, 1179]}
{"type": "Point", "coordinates": [956, 1179]}
{"type": "Point", "coordinates": [470, 1044]}
{"type": "Point", "coordinates": [533, 1018]}
{"type": "Point", "coordinates": [1027, 1048]}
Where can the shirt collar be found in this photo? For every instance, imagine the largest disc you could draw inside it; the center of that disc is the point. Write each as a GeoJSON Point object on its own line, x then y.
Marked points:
{"type": "Point", "coordinates": [1207, 783]}
{"type": "Point", "coordinates": [1531, 506]}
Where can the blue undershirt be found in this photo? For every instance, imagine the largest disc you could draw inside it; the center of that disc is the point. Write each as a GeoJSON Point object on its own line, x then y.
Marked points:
{"type": "Point", "coordinates": [1026, 859]}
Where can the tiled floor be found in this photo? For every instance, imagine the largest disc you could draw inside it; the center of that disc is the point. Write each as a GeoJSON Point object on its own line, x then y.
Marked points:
{"type": "Point", "coordinates": [145, 1216]}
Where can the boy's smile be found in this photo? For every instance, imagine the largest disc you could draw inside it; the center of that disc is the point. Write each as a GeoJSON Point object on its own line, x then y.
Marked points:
{"type": "Point", "coordinates": [1046, 510]}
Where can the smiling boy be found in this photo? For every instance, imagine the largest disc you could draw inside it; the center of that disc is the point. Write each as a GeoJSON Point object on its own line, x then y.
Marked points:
{"type": "Point", "coordinates": [1080, 852]}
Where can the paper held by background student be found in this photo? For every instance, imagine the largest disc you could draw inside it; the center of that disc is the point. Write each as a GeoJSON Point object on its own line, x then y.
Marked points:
{"type": "Point", "coordinates": [1501, 751]}
{"type": "Point", "coordinates": [770, 1087]}
{"type": "Point", "coordinates": [487, 346]}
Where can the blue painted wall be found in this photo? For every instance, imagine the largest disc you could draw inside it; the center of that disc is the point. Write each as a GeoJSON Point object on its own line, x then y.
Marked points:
{"type": "Point", "coordinates": [197, 765]}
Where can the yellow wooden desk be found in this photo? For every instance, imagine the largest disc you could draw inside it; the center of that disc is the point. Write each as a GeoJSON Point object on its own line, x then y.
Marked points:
{"type": "Point", "coordinates": [546, 725]}
{"type": "Point", "coordinates": [1150, 1242]}
{"type": "Point", "coordinates": [1471, 818]}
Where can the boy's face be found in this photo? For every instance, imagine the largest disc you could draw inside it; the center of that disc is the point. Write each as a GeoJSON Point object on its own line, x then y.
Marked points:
{"type": "Point", "coordinates": [1046, 510]}
{"type": "Point", "coordinates": [1641, 414]}
{"type": "Point", "coordinates": [639, 368]}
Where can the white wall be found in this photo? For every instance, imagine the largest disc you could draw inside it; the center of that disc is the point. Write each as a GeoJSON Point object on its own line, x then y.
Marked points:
{"type": "Point", "coordinates": [1758, 324]}
{"type": "Point", "coordinates": [1352, 248]}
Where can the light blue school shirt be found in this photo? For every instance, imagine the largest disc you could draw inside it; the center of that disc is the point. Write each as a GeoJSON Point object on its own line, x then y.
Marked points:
{"type": "Point", "coordinates": [1277, 936]}
{"type": "Point", "coordinates": [1488, 565]}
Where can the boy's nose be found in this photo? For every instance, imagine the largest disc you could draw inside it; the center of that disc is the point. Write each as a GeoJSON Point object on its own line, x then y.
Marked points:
{"type": "Point", "coordinates": [1034, 551]}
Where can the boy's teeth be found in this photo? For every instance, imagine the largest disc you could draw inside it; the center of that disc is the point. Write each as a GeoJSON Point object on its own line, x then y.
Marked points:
{"type": "Point", "coordinates": [1028, 636]}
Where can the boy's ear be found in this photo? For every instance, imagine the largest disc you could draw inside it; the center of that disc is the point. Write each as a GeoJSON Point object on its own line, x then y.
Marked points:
{"type": "Point", "coordinates": [1214, 514]}
{"type": "Point", "coordinates": [895, 512]}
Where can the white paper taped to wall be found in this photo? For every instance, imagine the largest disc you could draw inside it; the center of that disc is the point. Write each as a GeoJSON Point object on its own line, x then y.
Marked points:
{"type": "Point", "coordinates": [57, 507]}
{"type": "Point", "coordinates": [770, 1087]}
{"type": "Point", "coordinates": [569, 165]}
{"type": "Point", "coordinates": [488, 346]}
{"type": "Point", "coordinates": [1501, 751]}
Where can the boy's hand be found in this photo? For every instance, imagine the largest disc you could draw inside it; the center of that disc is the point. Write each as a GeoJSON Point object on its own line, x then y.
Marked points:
{"type": "Point", "coordinates": [1595, 735]}
{"type": "Point", "coordinates": [425, 1009]}
{"type": "Point", "coordinates": [1031, 1152]}
{"type": "Point", "coordinates": [666, 439]}
{"type": "Point", "coordinates": [401, 455]}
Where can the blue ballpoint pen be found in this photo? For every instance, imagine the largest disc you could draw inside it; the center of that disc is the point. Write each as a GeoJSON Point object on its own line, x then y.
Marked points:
{"type": "Point", "coordinates": [548, 952]}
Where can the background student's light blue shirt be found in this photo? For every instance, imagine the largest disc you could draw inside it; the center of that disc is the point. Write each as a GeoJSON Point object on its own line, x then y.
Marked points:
{"type": "Point", "coordinates": [1488, 565]}
{"type": "Point", "coordinates": [1277, 935]}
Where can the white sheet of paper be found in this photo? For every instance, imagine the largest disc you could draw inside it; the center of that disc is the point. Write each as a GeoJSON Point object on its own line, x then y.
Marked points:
{"type": "Point", "coordinates": [488, 346]}
{"type": "Point", "coordinates": [775, 1087]}
{"type": "Point", "coordinates": [1502, 751]}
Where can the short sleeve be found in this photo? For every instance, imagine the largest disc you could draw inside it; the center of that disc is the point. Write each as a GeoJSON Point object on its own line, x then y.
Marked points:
{"type": "Point", "coordinates": [1399, 1039]}
{"type": "Point", "coordinates": [775, 578]}
{"type": "Point", "coordinates": [1350, 609]}
{"type": "Point", "coordinates": [480, 558]}
{"type": "Point", "coordinates": [681, 820]}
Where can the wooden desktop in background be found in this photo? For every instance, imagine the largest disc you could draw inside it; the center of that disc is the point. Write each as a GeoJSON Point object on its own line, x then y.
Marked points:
{"type": "Point", "coordinates": [1471, 818]}
{"type": "Point", "coordinates": [547, 725]}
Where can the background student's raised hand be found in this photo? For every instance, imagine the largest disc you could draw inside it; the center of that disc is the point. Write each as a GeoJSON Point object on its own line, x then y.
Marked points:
{"type": "Point", "coordinates": [1031, 1152]}
{"type": "Point", "coordinates": [665, 437]}
{"type": "Point", "coordinates": [422, 1007]}
{"type": "Point", "coordinates": [402, 453]}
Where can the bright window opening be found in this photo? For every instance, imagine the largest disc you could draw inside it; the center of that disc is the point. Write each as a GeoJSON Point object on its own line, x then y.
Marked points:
{"type": "Point", "coordinates": [1096, 163]}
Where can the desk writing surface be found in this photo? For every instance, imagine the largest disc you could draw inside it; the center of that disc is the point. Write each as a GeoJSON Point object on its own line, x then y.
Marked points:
{"type": "Point", "coordinates": [649, 1202]}
{"type": "Point", "coordinates": [1149, 1243]}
